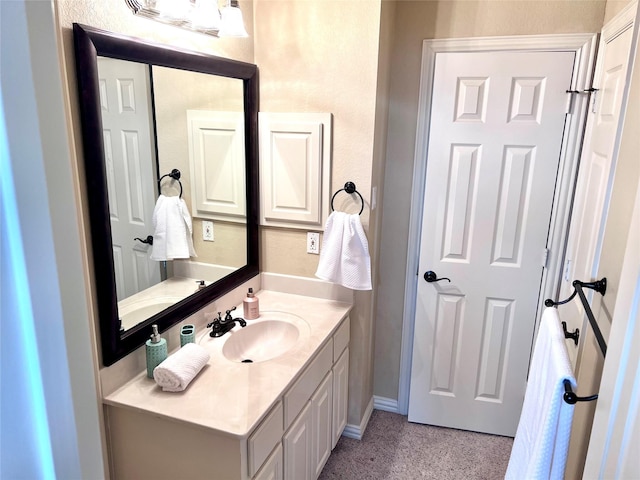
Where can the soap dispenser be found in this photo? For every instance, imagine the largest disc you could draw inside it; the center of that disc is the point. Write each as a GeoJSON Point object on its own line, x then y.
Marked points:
{"type": "Point", "coordinates": [156, 348]}
{"type": "Point", "coordinates": [251, 306]}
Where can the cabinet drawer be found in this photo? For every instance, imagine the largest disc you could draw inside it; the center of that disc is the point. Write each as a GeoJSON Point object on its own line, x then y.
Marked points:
{"type": "Point", "coordinates": [264, 438]}
{"type": "Point", "coordinates": [298, 395]}
{"type": "Point", "coordinates": [341, 339]}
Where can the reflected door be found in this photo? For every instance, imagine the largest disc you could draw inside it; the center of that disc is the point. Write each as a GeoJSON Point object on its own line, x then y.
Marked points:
{"type": "Point", "coordinates": [495, 139]}
{"type": "Point", "coordinates": [130, 166]}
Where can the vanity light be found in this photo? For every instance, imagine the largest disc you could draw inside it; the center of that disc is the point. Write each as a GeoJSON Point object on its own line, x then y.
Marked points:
{"type": "Point", "coordinates": [197, 15]}
{"type": "Point", "coordinates": [232, 21]}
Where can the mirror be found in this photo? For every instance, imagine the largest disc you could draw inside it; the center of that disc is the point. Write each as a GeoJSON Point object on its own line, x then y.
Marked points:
{"type": "Point", "coordinates": [197, 114]}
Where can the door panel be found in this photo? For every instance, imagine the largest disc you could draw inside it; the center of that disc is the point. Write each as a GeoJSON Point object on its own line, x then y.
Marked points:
{"type": "Point", "coordinates": [130, 169]}
{"type": "Point", "coordinates": [496, 131]}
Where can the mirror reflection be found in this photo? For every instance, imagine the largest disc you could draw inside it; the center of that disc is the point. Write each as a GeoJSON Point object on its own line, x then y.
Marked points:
{"type": "Point", "coordinates": [171, 236]}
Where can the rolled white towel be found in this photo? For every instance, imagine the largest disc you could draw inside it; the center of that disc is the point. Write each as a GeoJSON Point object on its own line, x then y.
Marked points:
{"type": "Point", "coordinates": [178, 369]}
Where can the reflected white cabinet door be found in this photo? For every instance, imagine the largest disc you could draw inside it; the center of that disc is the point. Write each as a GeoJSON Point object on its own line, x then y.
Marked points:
{"type": "Point", "coordinates": [297, 447]}
{"type": "Point", "coordinates": [295, 163]}
{"type": "Point", "coordinates": [217, 165]}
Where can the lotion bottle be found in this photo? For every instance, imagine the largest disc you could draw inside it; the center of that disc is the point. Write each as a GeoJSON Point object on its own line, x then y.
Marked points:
{"type": "Point", "coordinates": [251, 306]}
{"type": "Point", "coordinates": [156, 349]}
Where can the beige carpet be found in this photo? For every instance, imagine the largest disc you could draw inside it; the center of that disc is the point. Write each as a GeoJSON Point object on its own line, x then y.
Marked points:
{"type": "Point", "coordinates": [394, 449]}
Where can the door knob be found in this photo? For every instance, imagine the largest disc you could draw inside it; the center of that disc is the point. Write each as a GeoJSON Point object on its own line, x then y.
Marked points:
{"type": "Point", "coordinates": [148, 240]}
{"type": "Point", "coordinates": [431, 276]}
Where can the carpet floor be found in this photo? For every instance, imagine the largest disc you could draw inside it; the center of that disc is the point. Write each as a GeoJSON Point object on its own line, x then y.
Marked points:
{"type": "Point", "coordinates": [394, 449]}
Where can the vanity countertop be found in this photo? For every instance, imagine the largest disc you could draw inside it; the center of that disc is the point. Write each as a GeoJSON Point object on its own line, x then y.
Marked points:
{"type": "Point", "coordinates": [230, 397]}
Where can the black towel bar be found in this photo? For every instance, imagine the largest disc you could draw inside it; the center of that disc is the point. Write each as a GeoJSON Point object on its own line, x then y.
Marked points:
{"type": "Point", "coordinates": [349, 187]}
{"type": "Point", "coordinates": [175, 174]}
{"type": "Point", "coordinates": [599, 286]}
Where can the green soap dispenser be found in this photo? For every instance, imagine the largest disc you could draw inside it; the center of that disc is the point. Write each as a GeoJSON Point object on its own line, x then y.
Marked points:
{"type": "Point", "coordinates": [156, 350]}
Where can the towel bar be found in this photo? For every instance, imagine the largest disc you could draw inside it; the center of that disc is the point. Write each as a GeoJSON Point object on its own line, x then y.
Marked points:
{"type": "Point", "coordinates": [571, 398]}
{"type": "Point", "coordinates": [599, 286]}
{"type": "Point", "coordinates": [349, 187]}
{"type": "Point", "coordinates": [175, 174]}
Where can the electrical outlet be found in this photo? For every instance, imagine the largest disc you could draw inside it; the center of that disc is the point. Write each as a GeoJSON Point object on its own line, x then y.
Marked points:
{"type": "Point", "coordinates": [313, 243]}
{"type": "Point", "coordinates": [207, 231]}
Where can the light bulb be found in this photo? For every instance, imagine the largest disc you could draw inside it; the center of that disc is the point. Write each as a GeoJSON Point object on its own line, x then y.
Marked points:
{"type": "Point", "coordinates": [232, 24]}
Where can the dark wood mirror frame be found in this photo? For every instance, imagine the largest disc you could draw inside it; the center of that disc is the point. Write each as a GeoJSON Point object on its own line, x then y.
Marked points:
{"type": "Point", "coordinates": [89, 44]}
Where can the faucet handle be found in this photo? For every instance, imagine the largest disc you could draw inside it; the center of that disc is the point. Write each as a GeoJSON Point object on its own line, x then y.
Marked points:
{"type": "Point", "coordinates": [228, 315]}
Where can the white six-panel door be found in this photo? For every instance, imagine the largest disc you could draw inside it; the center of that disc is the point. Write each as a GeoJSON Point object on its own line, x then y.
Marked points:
{"type": "Point", "coordinates": [130, 165]}
{"type": "Point", "coordinates": [495, 138]}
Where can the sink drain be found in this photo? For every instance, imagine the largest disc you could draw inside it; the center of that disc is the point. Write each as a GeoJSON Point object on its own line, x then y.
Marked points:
{"type": "Point", "coordinates": [247, 360]}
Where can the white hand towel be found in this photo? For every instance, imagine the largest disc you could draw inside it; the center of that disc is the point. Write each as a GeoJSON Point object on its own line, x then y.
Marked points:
{"type": "Point", "coordinates": [178, 369]}
{"type": "Point", "coordinates": [173, 230]}
{"type": "Point", "coordinates": [542, 439]}
{"type": "Point", "coordinates": [344, 258]}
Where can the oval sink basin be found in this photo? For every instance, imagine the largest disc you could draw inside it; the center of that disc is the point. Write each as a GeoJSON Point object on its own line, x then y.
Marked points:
{"type": "Point", "coordinates": [258, 342]}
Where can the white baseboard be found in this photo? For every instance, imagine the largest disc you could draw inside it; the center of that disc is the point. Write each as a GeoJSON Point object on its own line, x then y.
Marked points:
{"type": "Point", "coordinates": [356, 431]}
{"type": "Point", "coordinates": [386, 404]}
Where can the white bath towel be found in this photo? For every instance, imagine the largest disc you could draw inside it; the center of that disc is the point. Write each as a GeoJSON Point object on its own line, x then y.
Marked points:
{"type": "Point", "coordinates": [542, 439]}
{"type": "Point", "coordinates": [173, 231]}
{"type": "Point", "coordinates": [178, 369]}
{"type": "Point", "coordinates": [344, 257]}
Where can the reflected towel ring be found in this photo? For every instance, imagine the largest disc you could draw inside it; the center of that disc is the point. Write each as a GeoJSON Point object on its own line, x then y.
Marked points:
{"type": "Point", "coordinates": [349, 187]}
{"type": "Point", "coordinates": [175, 174]}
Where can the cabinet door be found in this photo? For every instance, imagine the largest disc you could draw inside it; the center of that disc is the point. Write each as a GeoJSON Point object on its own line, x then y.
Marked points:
{"type": "Point", "coordinates": [340, 395]}
{"type": "Point", "coordinates": [272, 468]}
{"type": "Point", "coordinates": [321, 408]}
{"type": "Point", "coordinates": [297, 447]}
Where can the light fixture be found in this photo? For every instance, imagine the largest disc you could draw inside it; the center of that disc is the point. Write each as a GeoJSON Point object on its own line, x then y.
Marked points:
{"type": "Point", "coordinates": [232, 22]}
{"type": "Point", "coordinates": [198, 15]}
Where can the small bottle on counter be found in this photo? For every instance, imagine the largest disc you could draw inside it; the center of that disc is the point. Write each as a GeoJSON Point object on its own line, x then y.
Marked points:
{"type": "Point", "coordinates": [251, 306]}
{"type": "Point", "coordinates": [156, 349]}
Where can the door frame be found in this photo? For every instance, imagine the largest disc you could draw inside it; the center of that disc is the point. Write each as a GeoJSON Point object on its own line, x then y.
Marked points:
{"type": "Point", "coordinates": [584, 46]}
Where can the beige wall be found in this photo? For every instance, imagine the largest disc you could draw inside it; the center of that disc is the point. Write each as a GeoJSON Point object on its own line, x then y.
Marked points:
{"type": "Point", "coordinates": [416, 21]}
{"type": "Point", "coordinates": [175, 92]}
{"type": "Point", "coordinates": [310, 61]}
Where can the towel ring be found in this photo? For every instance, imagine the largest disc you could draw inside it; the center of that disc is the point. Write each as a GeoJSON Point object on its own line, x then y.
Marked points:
{"type": "Point", "coordinates": [349, 187]}
{"type": "Point", "coordinates": [175, 174]}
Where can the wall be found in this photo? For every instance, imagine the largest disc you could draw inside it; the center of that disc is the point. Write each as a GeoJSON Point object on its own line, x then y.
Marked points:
{"type": "Point", "coordinates": [416, 21]}
{"type": "Point", "coordinates": [310, 62]}
{"type": "Point", "coordinates": [197, 92]}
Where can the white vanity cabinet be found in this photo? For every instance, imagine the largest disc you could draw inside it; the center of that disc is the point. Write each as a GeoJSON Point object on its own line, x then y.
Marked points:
{"type": "Point", "coordinates": [292, 441]}
{"type": "Point", "coordinates": [310, 421]}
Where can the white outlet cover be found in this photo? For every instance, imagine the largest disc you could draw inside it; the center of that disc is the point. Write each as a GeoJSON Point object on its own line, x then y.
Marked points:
{"type": "Point", "coordinates": [313, 243]}
{"type": "Point", "coordinates": [207, 231]}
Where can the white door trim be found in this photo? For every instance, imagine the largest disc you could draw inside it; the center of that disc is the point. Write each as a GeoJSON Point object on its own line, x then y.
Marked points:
{"type": "Point", "coordinates": [584, 45]}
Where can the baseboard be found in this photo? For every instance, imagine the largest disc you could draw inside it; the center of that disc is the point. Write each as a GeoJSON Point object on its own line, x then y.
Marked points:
{"type": "Point", "coordinates": [356, 431]}
{"type": "Point", "coordinates": [386, 404]}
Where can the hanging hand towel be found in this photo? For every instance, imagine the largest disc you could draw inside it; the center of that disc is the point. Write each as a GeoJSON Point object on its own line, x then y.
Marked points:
{"type": "Point", "coordinates": [542, 439]}
{"type": "Point", "coordinates": [173, 231]}
{"type": "Point", "coordinates": [344, 258]}
{"type": "Point", "coordinates": [178, 369]}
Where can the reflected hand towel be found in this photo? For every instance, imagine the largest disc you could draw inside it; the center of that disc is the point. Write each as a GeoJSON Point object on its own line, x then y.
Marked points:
{"type": "Point", "coordinates": [173, 230]}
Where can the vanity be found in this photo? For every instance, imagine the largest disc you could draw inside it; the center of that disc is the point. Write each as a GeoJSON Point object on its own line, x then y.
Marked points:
{"type": "Point", "coordinates": [272, 418]}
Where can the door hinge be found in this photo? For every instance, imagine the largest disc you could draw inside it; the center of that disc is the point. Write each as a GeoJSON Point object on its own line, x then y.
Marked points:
{"type": "Point", "coordinates": [545, 257]}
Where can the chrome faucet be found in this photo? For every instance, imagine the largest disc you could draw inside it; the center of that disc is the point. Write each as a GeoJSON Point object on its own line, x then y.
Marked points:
{"type": "Point", "coordinates": [220, 325]}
